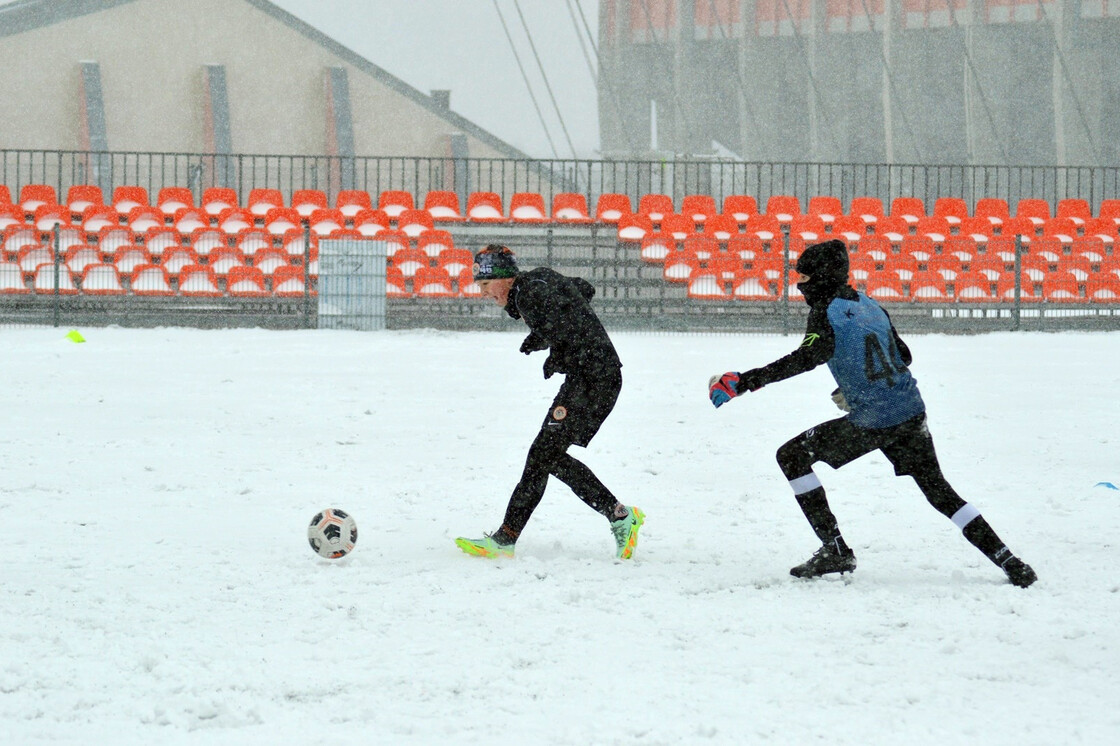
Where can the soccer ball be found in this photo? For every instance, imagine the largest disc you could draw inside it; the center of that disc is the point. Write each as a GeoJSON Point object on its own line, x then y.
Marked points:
{"type": "Point", "coordinates": [332, 533]}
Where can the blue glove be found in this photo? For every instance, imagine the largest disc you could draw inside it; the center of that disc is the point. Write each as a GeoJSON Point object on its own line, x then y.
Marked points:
{"type": "Point", "coordinates": [722, 389]}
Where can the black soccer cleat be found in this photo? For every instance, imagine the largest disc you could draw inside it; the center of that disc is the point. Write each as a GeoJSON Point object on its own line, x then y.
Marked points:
{"type": "Point", "coordinates": [824, 561]}
{"type": "Point", "coordinates": [1019, 572]}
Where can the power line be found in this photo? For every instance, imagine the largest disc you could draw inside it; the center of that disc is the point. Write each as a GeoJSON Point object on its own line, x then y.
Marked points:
{"type": "Point", "coordinates": [563, 127]}
{"type": "Point", "coordinates": [612, 92]}
{"type": "Point", "coordinates": [525, 77]}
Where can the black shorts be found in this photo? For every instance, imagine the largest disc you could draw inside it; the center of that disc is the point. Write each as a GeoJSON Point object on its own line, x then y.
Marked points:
{"type": "Point", "coordinates": [907, 445]}
{"type": "Point", "coordinates": [583, 403]}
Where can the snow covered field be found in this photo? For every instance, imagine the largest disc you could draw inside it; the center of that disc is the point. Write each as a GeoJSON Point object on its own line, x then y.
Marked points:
{"type": "Point", "coordinates": [157, 586]}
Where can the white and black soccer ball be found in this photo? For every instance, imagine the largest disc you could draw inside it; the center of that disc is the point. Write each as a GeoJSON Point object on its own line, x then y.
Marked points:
{"type": "Point", "coordinates": [332, 533]}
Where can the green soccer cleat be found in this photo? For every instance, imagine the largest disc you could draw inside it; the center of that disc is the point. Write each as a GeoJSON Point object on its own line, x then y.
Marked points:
{"type": "Point", "coordinates": [484, 547]}
{"type": "Point", "coordinates": [625, 532]}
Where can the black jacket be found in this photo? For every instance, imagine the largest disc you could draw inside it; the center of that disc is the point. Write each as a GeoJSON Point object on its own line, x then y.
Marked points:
{"type": "Point", "coordinates": [558, 312]}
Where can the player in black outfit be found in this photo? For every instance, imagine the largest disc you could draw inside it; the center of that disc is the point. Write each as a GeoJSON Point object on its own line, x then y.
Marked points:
{"type": "Point", "coordinates": [855, 337]}
{"type": "Point", "coordinates": [557, 311]}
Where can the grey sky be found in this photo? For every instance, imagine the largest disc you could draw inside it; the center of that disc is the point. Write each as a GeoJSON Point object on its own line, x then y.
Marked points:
{"type": "Point", "coordinates": [461, 45]}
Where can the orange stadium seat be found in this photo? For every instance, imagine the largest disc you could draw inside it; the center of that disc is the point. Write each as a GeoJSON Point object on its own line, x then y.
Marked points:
{"type": "Point", "coordinates": [415, 222]}
{"type": "Point", "coordinates": [198, 280]}
{"type": "Point", "coordinates": [396, 286]}
{"type": "Point", "coordinates": [877, 247]}
{"type": "Point", "coordinates": [101, 279]}
{"type": "Point", "coordinates": [980, 227]}
{"type": "Point", "coordinates": [435, 241]}
{"type": "Point", "coordinates": [30, 256]}
{"type": "Point", "coordinates": [409, 260]}
{"type": "Point", "coordinates": [371, 222]}
{"type": "Point", "coordinates": [809, 228]}
{"type": "Point", "coordinates": [217, 199]}
{"type": "Point", "coordinates": [325, 221]}
{"type": "Point", "coordinates": [261, 201]}
{"type": "Point", "coordinates": [174, 261]}
{"type": "Point", "coordinates": [32, 196]}
{"type": "Point", "coordinates": [279, 220]}
{"type": "Point", "coordinates": [5, 195]}
{"type": "Point", "coordinates": [246, 282]}
{"type": "Point", "coordinates": [1110, 209]}
{"type": "Point", "coordinates": [783, 206]}
{"type": "Point", "coordinates": [307, 201]}
{"type": "Point", "coordinates": [189, 219]}
{"type": "Point", "coordinates": [991, 267]}
{"type": "Point", "coordinates": [910, 209]}
{"type": "Point", "coordinates": [656, 206]}
{"type": "Point", "coordinates": [741, 206]}
{"type": "Point", "coordinates": [860, 267]}
{"type": "Point", "coordinates": [1077, 265]}
{"type": "Point", "coordinates": [222, 260]}
{"type": "Point", "coordinates": [953, 209]}
{"type": "Point", "coordinates": [849, 227]}
{"type": "Point", "coordinates": [1062, 287]}
{"type": "Point", "coordinates": [721, 227]}
{"type": "Point", "coordinates": [1063, 229]}
{"type": "Point", "coordinates": [394, 241]}
{"type": "Point", "coordinates": [268, 260]}
{"type": "Point", "coordinates": [432, 282]}
{"type": "Point", "coordinates": [455, 260]}
{"type": "Point", "coordinates": [443, 206]}
{"type": "Point", "coordinates": [128, 258]}
{"type": "Point", "coordinates": [868, 208]}
{"type": "Point", "coordinates": [929, 287]}
{"type": "Point", "coordinates": [395, 201]}
{"type": "Point", "coordinates": [937, 227]}
{"type": "Point", "coordinates": [46, 217]}
{"type": "Point", "coordinates": [1092, 248]}
{"type": "Point", "coordinates": [826, 207]}
{"type": "Point", "coordinates": [634, 227]}
{"type": "Point", "coordinates": [1036, 210]}
{"type": "Point", "coordinates": [948, 265]}
{"type": "Point", "coordinates": [150, 280]}
{"type": "Point", "coordinates": [1030, 291]}
{"type": "Point", "coordinates": [205, 240]}
{"type": "Point", "coordinates": [126, 198]}
{"type": "Point", "coordinates": [10, 215]}
{"type": "Point", "coordinates": [1020, 225]}
{"type": "Point", "coordinates": [657, 246]}
{"type": "Point", "coordinates": [252, 242]}
{"type": "Point", "coordinates": [698, 207]}
{"type": "Point", "coordinates": [883, 285]}
{"type": "Point", "coordinates": [679, 265]}
{"type": "Point", "coordinates": [611, 206]}
{"type": "Point", "coordinates": [962, 247]}
{"type": "Point", "coordinates": [679, 227]}
{"type": "Point", "coordinates": [81, 196]}
{"type": "Point", "coordinates": [570, 207]}
{"type": "Point", "coordinates": [294, 244]}
{"type": "Point", "coordinates": [288, 282]}
{"type": "Point", "coordinates": [11, 279]}
{"type": "Point", "coordinates": [18, 236]}
{"type": "Point", "coordinates": [170, 200]}
{"type": "Point", "coordinates": [527, 207]}
{"type": "Point", "coordinates": [1104, 228]}
{"type": "Point", "coordinates": [96, 217]}
{"type": "Point", "coordinates": [353, 201]}
{"type": "Point", "coordinates": [1103, 288]}
{"type": "Point", "coordinates": [44, 281]}
{"type": "Point", "coordinates": [893, 228]}
{"type": "Point", "coordinates": [705, 284]}
{"type": "Point", "coordinates": [468, 288]}
{"type": "Point", "coordinates": [994, 209]}
{"type": "Point", "coordinates": [753, 286]}
{"type": "Point", "coordinates": [1076, 210]}
{"type": "Point", "coordinates": [78, 257]}
{"type": "Point", "coordinates": [765, 227]}
{"type": "Point", "coordinates": [111, 238]}
{"type": "Point", "coordinates": [903, 265]}
{"type": "Point", "coordinates": [236, 219]}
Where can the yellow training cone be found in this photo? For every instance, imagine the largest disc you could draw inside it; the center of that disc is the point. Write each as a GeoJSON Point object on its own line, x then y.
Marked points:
{"type": "Point", "coordinates": [75, 336]}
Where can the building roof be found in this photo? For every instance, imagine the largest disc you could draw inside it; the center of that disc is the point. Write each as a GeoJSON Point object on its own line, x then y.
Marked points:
{"type": "Point", "coordinates": [27, 15]}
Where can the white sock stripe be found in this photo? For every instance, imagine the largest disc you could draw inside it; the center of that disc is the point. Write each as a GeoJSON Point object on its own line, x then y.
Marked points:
{"type": "Point", "coordinates": [804, 484]}
{"type": "Point", "coordinates": [965, 515]}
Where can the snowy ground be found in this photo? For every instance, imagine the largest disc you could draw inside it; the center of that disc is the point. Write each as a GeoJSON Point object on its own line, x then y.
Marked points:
{"type": "Point", "coordinates": [157, 587]}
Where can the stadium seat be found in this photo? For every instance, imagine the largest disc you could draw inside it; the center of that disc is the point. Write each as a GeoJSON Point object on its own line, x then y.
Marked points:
{"type": "Point", "coordinates": [698, 208]}
{"type": "Point", "coordinates": [252, 242]}
{"type": "Point", "coordinates": [468, 288]}
{"type": "Point", "coordinates": [765, 227]}
{"type": "Point", "coordinates": [929, 287]}
{"type": "Point", "coordinates": [868, 208]}
{"type": "Point", "coordinates": [1063, 229]}
{"type": "Point", "coordinates": [810, 228]}
{"type": "Point", "coordinates": [455, 260]}
{"type": "Point", "coordinates": [721, 227]}
{"type": "Point", "coordinates": [994, 209]}
{"type": "Point", "coordinates": [1091, 247]}
{"type": "Point", "coordinates": [679, 227]}
{"type": "Point", "coordinates": [190, 219]}
{"type": "Point", "coordinates": [235, 220]}
{"type": "Point", "coordinates": [991, 267]}
{"type": "Point", "coordinates": [126, 198]}
{"type": "Point", "coordinates": [905, 266]}
{"type": "Point", "coordinates": [679, 266]}
{"type": "Point", "coordinates": [396, 286]}
{"type": "Point", "coordinates": [634, 227]}
{"type": "Point", "coordinates": [371, 222]}
{"type": "Point", "coordinates": [953, 209]}
{"type": "Point", "coordinates": [81, 196]}
{"type": "Point", "coordinates": [656, 206]}
{"type": "Point", "coordinates": [44, 281]}
{"type": "Point", "coordinates": [962, 247]}
{"type": "Point", "coordinates": [527, 207]}
{"type": "Point", "coordinates": [612, 206]}
{"type": "Point", "coordinates": [78, 257]}
{"type": "Point", "coordinates": [1020, 226]}
{"type": "Point", "coordinates": [101, 279]}
{"type": "Point", "coordinates": [434, 241]}
{"type": "Point", "coordinates": [268, 260]}
{"type": "Point", "coordinates": [198, 281]}
{"type": "Point", "coordinates": [1076, 210]}
{"type": "Point", "coordinates": [1030, 291]}
{"type": "Point", "coordinates": [1104, 228]}
{"type": "Point", "coordinates": [706, 285]}
{"type": "Point", "coordinates": [46, 217]}
{"type": "Point", "coordinates": [879, 247]}
{"type": "Point", "coordinates": [1035, 210]}
{"type": "Point", "coordinates": [570, 207]}
{"type": "Point", "coordinates": [826, 207]}
{"type": "Point", "coordinates": [850, 228]}
{"type": "Point", "coordinates": [111, 238]}
{"type": "Point", "coordinates": [10, 215]}
{"type": "Point", "coordinates": [1048, 247]}
{"type": "Point", "coordinates": [741, 206]}
{"type": "Point", "coordinates": [753, 286]}
{"type": "Point", "coordinates": [974, 287]}
{"type": "Point", "coordinates": [215, 200]}
{"type": "Point", "coordinates": [860, 267]}
{"type": "Point", "coordinates": [1034, 266]}
{"type": "Point", "coordinates": [33, 196]}
{"type": "Point", "coordinates": [980, 227]}
{"type": "Point", "coordinates": [150, 280]}
{"type": "Point", "coordinates": [948, 265]}
{"type": "Point", "coordinates": [432, 282]}
{"type": "Point", "coordinates": [96, 217]}
{"type": "Point", "coordinates": [128, 258]}
{"type": "Point", "coordinates": [307, 201]}
{"type": "Point", "coordinates": [726, 266]}
{"type": "Point", "coordinates": [409, 260]}
{"type": "Point", "coordinates": [1062, 287]}
{"type": "Point", "coordinates": [30, 256]}
{"type": "Point", "coordinates": [353, 201]}
{"type": "Point", "coordinates": [18, 236]}
{"type": "Point", "coordinates": [1110, 265]}
{"type": "Point", "coordinates": [205, 240]}
{"type": "Point", "coordinates": [67, 237]}
{"type": "Point", "coordinates": [910, 209]}
{"type": "Point", "coordinates": [5, 195]}
{"type": "Point", "coordinates": [414, 222]}
{"type": "Point", "coordinates": [1103, 288]}
{"type": "Point", "coordinates": [443, 206]}
{"type": "Point", "coordinates": [1110, 209]}
{"type": "Point", "coordinates": [177, 258]}
{"type": "Point", "coordinates": [702, 247]}
{"type": "Point", "coordinates": [395, 201]}
{"type": "Point", "coordinates": [1077, 265]}
{"type": "Point", "coordinates": [894, 228]}
{"type": "Point", "coordinates": [280, 220]}
{"type": "Point", "coordinates": [11, 279]}
{"type": "Point", "coordinates": [935, 226]}
{"type": "Point", "coordinates": [141, 219]}
{"type": "Point", "coordinates": [223, 259]}
{"type": "Point", "coordinates": [288, 282]}
{"type": "Point", "coordinates": [169, 200]}
{"type": "Point", "coordinates": [770, 266]}
{"type": "Point", "coordinates": [325, 221]}
{"type": "Point", "coordinates": [294, 244]}
{"type": "Point", "coordinates": [261, 201]}
{"type": "Point", "coordinates": [655, 247]}
{"type": "Point", "coordinates": [885, 286]}
{"type": "Point", "coordinates": [783, 207]}
{"type": "Point", "coordinates": [246, 282]}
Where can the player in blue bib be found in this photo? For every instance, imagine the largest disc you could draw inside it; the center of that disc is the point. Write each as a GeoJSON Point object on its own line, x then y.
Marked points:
{"type": "Point", "coordinates": [870, 362]}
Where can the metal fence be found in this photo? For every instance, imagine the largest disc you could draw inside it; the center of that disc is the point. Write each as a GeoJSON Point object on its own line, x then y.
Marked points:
{"type": "Point", "coordinates": [679, 177]}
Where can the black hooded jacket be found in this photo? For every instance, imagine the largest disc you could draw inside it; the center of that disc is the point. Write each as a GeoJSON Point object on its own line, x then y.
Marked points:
{"type": "Point", "coordinates": [558, 312]}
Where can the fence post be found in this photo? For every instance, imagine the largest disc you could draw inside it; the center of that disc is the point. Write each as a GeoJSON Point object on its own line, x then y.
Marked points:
{"type": "Point", "coordinates": [56, 242]}
{"type": "Point", "coordinates": [785, 279]}
{"type": "Point", "coordinates": [307, 274]}
{"type": "Point", "coordinates": [1015, 317]}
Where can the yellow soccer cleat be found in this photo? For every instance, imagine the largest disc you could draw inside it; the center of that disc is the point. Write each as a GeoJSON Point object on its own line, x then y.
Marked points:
{"type": "Point", "coordinates": [485, 547]}
{"type": "Point", "coordinates": [625, 532]}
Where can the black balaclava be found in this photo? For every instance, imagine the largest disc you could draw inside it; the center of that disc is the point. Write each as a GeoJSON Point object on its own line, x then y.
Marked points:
{"type": "Point", "coordinates": [825, 268]}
